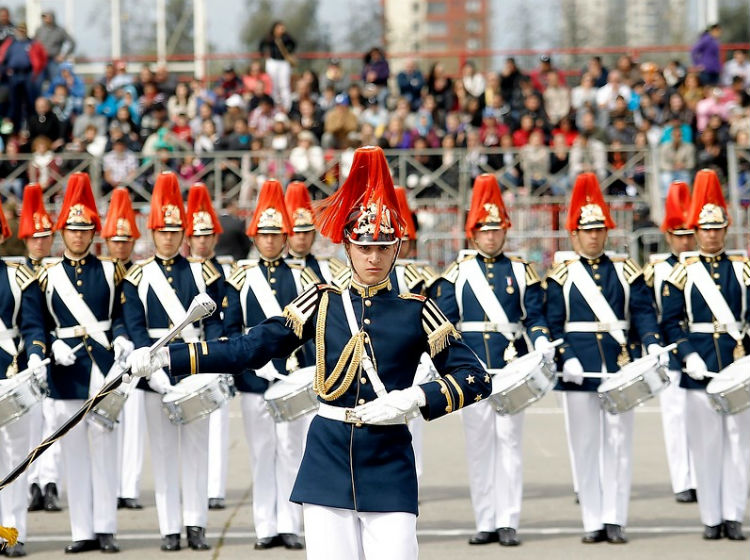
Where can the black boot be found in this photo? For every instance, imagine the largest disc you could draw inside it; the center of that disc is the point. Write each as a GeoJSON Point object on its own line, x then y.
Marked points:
{"type": "Point", "coordinates": [484, 537]}
{"type": "Point", "coordinates": [196, 537]}
{"type": "Point", "coordinates": [216, 503]}
{"type": "Point", "coordinates": [685, 497]}
{"type": "Point", "coordinates": [107, 543]}
{"type": "Point", "coordinates": [51, 501]}
{"type": "Point", "coordinates": [508, 537]}
{"type": "Point", "coordinates": [712, 532]}
{"type": "Point", "coordinates": [264, 543]}
{"type": "Point", "coordinates": [592, 537]}
{"type": "Point", "coordinates": [82, 546]}
{"type": "Point", "coordinates": [291, 541]}
{"type": "Point", "coordinates": [171, 543]}
{"type": "Point", "coordinates": [733, 531]}
{"type": "Point", "coordinates": [15, 551]}
{"type": "Point", "coordinates": [615, 534]}
{"type": "Point", "coordinates": [36, 500]}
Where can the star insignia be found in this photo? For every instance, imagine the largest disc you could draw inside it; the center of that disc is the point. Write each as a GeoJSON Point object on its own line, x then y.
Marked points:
{"type": "Point", "coordinates": [470, 379]}
{"type": "Point", "coordinates": [478, 398]}
{"type": "Point", "coordinates": [487, 378]}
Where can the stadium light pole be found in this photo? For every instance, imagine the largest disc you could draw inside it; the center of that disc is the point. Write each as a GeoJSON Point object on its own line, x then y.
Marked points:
{"type": "Point", "coordinates": [161, 32]}
{"type": "Point", "coordinates": [115, 24]}
{"type": "Point", "coordinates": [199, 38]}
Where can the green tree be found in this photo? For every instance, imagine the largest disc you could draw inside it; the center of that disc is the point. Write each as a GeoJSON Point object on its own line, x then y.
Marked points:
{"type": "Point", "coordinates": [733, 19]}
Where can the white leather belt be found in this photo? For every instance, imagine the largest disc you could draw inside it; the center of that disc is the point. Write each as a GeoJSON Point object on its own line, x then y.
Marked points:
{"type": "Point", "coordinates": [710, 328]}
{"type": "Point", "coordinates": [486, 326]}
{"type": "Point", "coordinates": [78, 331]}
{"type": "Point", "coordinates": [347, 415]}
{"type": "Point", "coordinates": [9, 333]}
{"type": "Point", "coordinates": [596, 326]}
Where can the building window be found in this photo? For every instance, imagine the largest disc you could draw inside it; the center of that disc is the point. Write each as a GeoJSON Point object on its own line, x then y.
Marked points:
{"type": "Point", "coordinates": [473, 26]}
{"type": "Point", "coordinates": [437, 28]}
{"type": "Point", "coordinates": [435, 7]}
{"type": "Point", "coordinates": [473, 6]}
{"type": "Point", "coordinates": [473, 44]}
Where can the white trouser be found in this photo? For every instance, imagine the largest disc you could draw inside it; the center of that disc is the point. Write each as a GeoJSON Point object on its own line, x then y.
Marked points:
{"type": "Point", "coordinates": [345, 534]}
{"type": "Point", "coordinates": [672, 401]}
{"type": "Point", "coordinates": [280, 72]}
{"type": "Point", "coordinates": [275, 454]}
{"type": "Point", "coordinates": [416, 427]}
{"type": "Point", "coordinates": [14, 443]}
{"type": "Point", "coordinates": [495, 463]}
{"type": "Point", "coordinates": [218, 451]}
{"type": "Point", "coordinates": [721, 453]}
{"type": "Point", "coordinates": [132, 437]}
{"type": "Point", "coordinates": [46, 469]}
{"type": "Point", "coordinates": [602, 449]}
{"type": "Point", "coordinates": [90, 456]}
{"type": "Point", "coordinates": [179, 455]}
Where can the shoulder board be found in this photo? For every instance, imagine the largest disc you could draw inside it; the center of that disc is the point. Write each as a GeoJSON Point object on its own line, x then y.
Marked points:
{"type": "Point", "coordinates": [516, 258]}
{"type": "Point", "coordinates": [41, 277]}
{"type": "Point", "coordinates": [412, 276]}
{"type": "Point", "coordinates": [531, 275]}
{"type": "Point", "coordinates": [299, 311]}
{"type": "Point", "coordinates": [309, 278]}
{"type": "Point", "coordinates": [108, 259]}
{"type": "Point", "coordinates": [737, 258]}
{"type": "Point", "coordinates": [746, 273]}
{"type": "Point", "coordinates": [410, 296]}
{"type": "Point", "coordinates": [195, 259]}
{"type": "Point", "coordinates": [648, 274]}
{"type": "Point", "coordinates": [678, 276]}
{"type": "Point", "coordinates": [430, 275]}
{"type": "Point", "coordinates": [51, 262]}
{"type": "Point", "coordinates": [11, 264]}
{"type": "Point", "coordinates": [295, 265]}
{"type": "Point", "coordinates": [144, 262]}
{"type": "Point", "coordinates": [24, 275]}
{"type": "Point", "coordinates": [559, 273]}
{"type": "Point", "coordinates": [120, 271]}
{"type": "Point", "coordinates": [210, 274]}
{"type": "Point", "coordinates": [237, 278]}
{"type": "Point", "coordinates": [691, 260]}
{"type": "Point", "coordinates": [451, 273]}
{"type": "Point", "coordinates": [632, 270]}
{"type": "Point", "coordinates": [336, 265]}
{"type": "Point", "coordinates": [343, 278]}
{"type": "Point", "coordinates": [438, 328]}
{"type": "Point", "coordinates": [135, 273]}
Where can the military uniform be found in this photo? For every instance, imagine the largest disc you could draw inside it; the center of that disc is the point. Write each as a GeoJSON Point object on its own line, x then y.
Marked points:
{"type": "Point", "coordinates": [704, 310]}
{"type": "Point", "coordinates": [592, 304]}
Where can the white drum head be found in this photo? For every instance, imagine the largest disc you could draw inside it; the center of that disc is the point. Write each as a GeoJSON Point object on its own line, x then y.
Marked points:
{"type": "Point", "coordinates": [187, 386]}
{"type": "Point", "coordinates": [627, 373]}
{"type": "Point", "coordinates": [293, 382]}
{"type": "Point", "coordinates": [730, 377]}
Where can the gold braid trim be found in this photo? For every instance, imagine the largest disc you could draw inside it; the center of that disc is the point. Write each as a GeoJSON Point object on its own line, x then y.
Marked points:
{"type": "Point", "coordinates": [439, 339]}
{"type": "Point", "coordinates": [9, 534]}
{"type": "Point", "coordinates": [459, 392]}
{"type": "Point", "coordinates": [354, 349]}
{"type": "Point", "coordinates": [294, 320]}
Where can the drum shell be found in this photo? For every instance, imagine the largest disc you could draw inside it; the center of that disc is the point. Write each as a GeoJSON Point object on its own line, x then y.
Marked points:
{"type": "Point", "coordinates": [289, 400]}
{"type": "Point", "coordinates": [21, 394]}
{"type": "Point", "coordinates": [199, 403]}
{"type": "Point", "coordinates": [633, 390]}
{"type": "Point", "coordinates": [524, 391]}
{"type": "Point", "coordinates": [106, 414]}
{"type": "Point", "coordinates": [731, 399]}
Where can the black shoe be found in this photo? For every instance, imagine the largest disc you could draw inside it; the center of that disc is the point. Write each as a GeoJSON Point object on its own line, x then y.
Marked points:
{"type": "Point", "coordinates": [594, 537]}
{"type": "Point", "coordinates": [685, 497]}
{"type": "Point", "coordinates": [615, 534]}
{"type": "Point", "coordinates": [51, 501]}
{"type": "Point", "coordinates": [82, 546]}
{"type": "Point", "coordinates": [216, 503]}
{"type": "Point", "coordinates": [712, 533]}
{"type": "Point", "coordinates": [268, 542]}
{"type": "Point", "coordinates": [15, 551]}
{"type": "Point", "coordinates": [733, 531]}
{"type": "Point", "coordinates": [36, 500]}
{"type": "Point", "coordinates": [170, 543]}
{"type": "Point", "coordinates": [577, 501]}
{"type": "Point", "coordinates": [484, 537]}
{"type": "Point", "coordinates": [507, 536]}
{"type": "Point", "coordinates": [107, 542]}
{"type": "Point", "coordinates": [196, 538]}
{"type": "Point", "coordinates": [291, 541]}
{"type": "Point", "coordinates": [128, 503]}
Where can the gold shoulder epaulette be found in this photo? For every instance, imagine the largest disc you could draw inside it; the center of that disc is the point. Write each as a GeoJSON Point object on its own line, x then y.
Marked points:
{"type": "Point", "coordinates": [738, 258]}
{"type": "Point", "coordinates": [299, 310]}
{"type": "Point", "coordinates": [336, 265]}
{"type": "Point", "coordinates": [648, 274]}
{"type": "Point", "coordinates": [135, 273]}
{"type": "Point", "coordinates": [451, 273]}
{"type": "Point", "coordinates": [237, 278]}
{"type": "Point", "coordinates": [691, 260]}
{"type": "Point", "coordinates": [309, 278]}
{"type": "Point", "coordinates": [210, 274]}
{"type": "Point", "coordinates": [24, 276]}
{"type": "Point", "coordinates": [678, 276]}
{"type": "Point", "coordinates": [144, 262]}
{"type": "Point", "coordinates": [343, 278]}
{"type": "Point", "coordinates": [429, 274]}
{"type": "Point", "coordinates": [531, 275]}
{"type": "Point", "coordinates": [631, 270]}
{"type": "Point", "coordinates": [120, 271]}
{"type": "Point", "coordinates": [412, 277]}
{"type": "Point", "coordinates": [192, 259]}
{"type": "Point", "coordinates": [559, 274]}
{"type": "Point", "coordinates": [41, 277]}
{"type": "Point", "coordinates": [516, 258]}
{"type": "Point", "coordinates": [746, 273]}
{"type": "Point", "coordinates": [438, 328]}
{"type": "Point", "coordinates": [410, 296]}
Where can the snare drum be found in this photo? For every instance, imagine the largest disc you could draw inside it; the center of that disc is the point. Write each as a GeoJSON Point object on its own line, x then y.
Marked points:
{"type": "Point", "coordinates": [522, 382]}
{"type": "Point", "coordinates": [196, 397]}
{"type": "Point", "coordinates": [634, 384]}
{"type": "Point", "coordinates": [293, 397]}
{"type": "Point", "coordinates": [729, 392]}
{"type": "Point", "coordinates": [106, 414]}
{"type": "Point", "coordinates": [18, 395]}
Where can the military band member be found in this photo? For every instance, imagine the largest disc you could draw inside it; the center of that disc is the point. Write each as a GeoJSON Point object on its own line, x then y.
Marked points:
{"type": "Point", "coordinates": [357, 481]}
{"type": "Point", "coordinates": [705, 311]}
{"type": "Point", "coordinates": [202, 231]}
{"type": "Point", "coordinates": [22, 344]}
{"type": "Point", "coordinates": [299, 207]}
{"type": "Point", "coordinates": [120, 233]}
{"type": "Point", "coordinates": [494, 299]}
{"type": "Point", "coordinates": [672, 398]}
{"type": "Point", "coordinates": [35, 229]}
{"type": "Point", "coordinates": [82, 295]}
{"type": "Point", "coordinates": [592, 301]}
{"type": "Point", "coordinates": [256, 292]}
{"type": "Point", "coordinates": [156, 293]}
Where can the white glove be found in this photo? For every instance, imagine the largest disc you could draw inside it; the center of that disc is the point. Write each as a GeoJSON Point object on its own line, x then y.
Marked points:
{"type": "Point", "coordinates": [159, 382]}
{"type": "Point", "coordinates": [122, 347]}
{"type": "Point", "coordinates": [142, 362]}
{"type": "Point", "coordinates": [394, 404]}
{"type": "Point", "coordinates": [545, 347]}
{"type": "Point", "coordinates": [63, 353]}
{"type": "Point", "coordinates": [573, 371]}
{"type": "Point", "coordinates": [36, 367]}
{"type": "Point", "coordinates": [268, 372]}
{"type": "Point", "coordinates": [663, 357]}
{"type": "Point", "coordinates": [695, 367]}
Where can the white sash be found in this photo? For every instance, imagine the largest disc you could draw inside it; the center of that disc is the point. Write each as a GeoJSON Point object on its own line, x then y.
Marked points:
{"type": "Point", "coordinates": [168, 299]}
{"type": "Point", "coordinates": [485, 296]}
{"type": "Point", "coordinates": [58, 281]}
{"type": "Point", "coordinates": [715, 299]}
{"type": "Point", "coordinates": [257, 282]}
{"type": "Point", "coordinates": [400, 280]}
{"type": "Point", "coordinates": [6, 342]}
{"type": "Point", "coordinates": [661, 272]}
{"type": "Point", "coordinates": [325, 271]}
{"type": "Point", "coordinates": [595, 299]}
{"type": "Point", "coordinates": [367, 364]}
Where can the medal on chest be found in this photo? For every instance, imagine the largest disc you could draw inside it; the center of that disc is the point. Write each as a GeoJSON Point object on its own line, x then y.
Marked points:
{"type": "Point", "coordinates": [509, 285]}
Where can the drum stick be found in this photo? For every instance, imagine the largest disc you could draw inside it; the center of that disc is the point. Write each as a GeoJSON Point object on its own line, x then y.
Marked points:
{"type": "Point", "coordinates": [46, 361]}
{"type": "Point", "coordinates": [710, 374]}
{"type": "Point", "coordinates": [201, 306]}
{"type": "Point", "coordinates": [592, 375]}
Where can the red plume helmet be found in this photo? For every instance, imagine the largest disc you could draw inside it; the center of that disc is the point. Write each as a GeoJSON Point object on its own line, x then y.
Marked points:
{"type": "Point", "coordinates": [487, 210]}
{"type": "Point", "coordinates": [299, 206]}
{"type": "Point", "coordinates": [201, 216]}
{"type": "Point", "coordinates": [676, 209]}
{"type": "Point", "coordinates": [587, 207]}
{"type": "Point", "coordinates": [167, 209]}
{"type": "Point", "coordinates": [270, 214]}
{"type": "Point", "coordinates": [404, 212]}
{"type": "Point", "coordinates": [119, 225]}
{"type": "Point", "coordinates": [708, 209]}
{"type": "Point", "coordinates": [79, 207]}
{"type": "Point", "coordinates": [34, 221]}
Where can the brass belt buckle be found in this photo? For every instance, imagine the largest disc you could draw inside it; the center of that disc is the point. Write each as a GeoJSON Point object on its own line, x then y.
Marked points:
{"type": "Point", "coordinates": [350, 417]}
{"type": "Point", "coordinates": [79, 331]}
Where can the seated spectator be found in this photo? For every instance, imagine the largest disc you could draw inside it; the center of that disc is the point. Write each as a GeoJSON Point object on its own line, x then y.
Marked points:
{"type": "Point", "coordinates": [307, 157]}
{"type": "Point", "coordinates": [420, 171]}
{"type": "Point", "coordinates": [12, 177]}
{"type": "Point", "coordinates": [618, 161]}
{"type": "Point", "coordinates": [67, 77]}
{"type": "Point", "coordinates": [376, 72]}
{"type": "Point", "coordinates": [711, 154]}
{"type": "Point", "coordinates": [491, 131]}
{"type": "Point", "coordinates": [674, 73]}
{"type": "Point", "coordinates": [129, 100]}
{"type": "Point", "coordinates": [607, 95]}
{"type": "Point", "coordinates": [23, 61]}
{"type": "Point", "coordinates": [692, 90]}
{"type": "Point", "coordinates": [310, 118]}
{"type": "Point", "coordinates": [583, 97]}
{"type": "Point", "coordinates": [63, 107]}
{"type": "Point", "coordinates": [161, 139]}
{"type": "Point", "coordinates": [588, 155]}
{"type": "Point", "coordinates": [521, 136]}
{"type": "Point", "coordinates": [739, 121]}
{"type": "Point", "coordinates": [256, 73]}
{"type": "Point", "coordinates": [556, 98]}
{"type": "Point", "coordinates": [165, 81]}
{"type": "Point", "coordinates": [540, 74]}
{"type": "Point", "coordinates": [510, 79]}
{"type": "Point", "coordinates": [396, 136]}
{"type": "Point", "coordinates": [120, 165]}
{"type": "Point", "coordinates": [425, 128]}
{"type": "Point", "coordinates": [492, 90]}
{"type": "Point", "coordinates": [89, 117]}
{"type": "Point", "coordinates": [376, 116]}
{"type": "Point", "coordinates": [472, 79]}
{"type": "Point", "coordinates": [302, 92]}
{"type": "Point", "coordinates": [90, 141]}
{"type": "Point", "coordinates": [228, 84]}
{"type": "Point", "coordinates": [676, 160]}
{"type": "Point", "coordinates": [208, 140]}
{"type": "Point", "coordinates": [629, 72]}
{"type": "Point", "coordinates": [145, 76]}
{"type": "Point", "coordinates": [454, 127]}
{"type": "Point", "coordinates": [338, 123]}
{"type": "Point", "coordinates": [235, 111]}
{"type": "Point", "coordinates": [121, 77]}
{"type": "Point", "coordinates": [206, 113]}
{"type": "Point", "coordinates": [129, 127]}
{"type": "Point", "coordinates": [499, 109]}
{"type": "Point", "coordinates": [151, 99]}
{"type": "Point", "coordinates": [597, 71]}
{"type": "Point", "coordinates": [720, 128]}
{"type": "Point", "coordinates": [189, 169]}
{"type": "Point", "coordinates": [182, 101]}
{"type": "Point", "coordinates": [181, 128]}
{"type": "Point", "coordinates": [558, 166]}
{"type": "Point", "coordinates": [403, 111]}
{"type": "Point", "coordinates": [713, 104]}
{"type": "Point", "coordinates": [677, 109]}
{"type": "Point", "coordinates": [588, 126]}
{"type": "Point", "coordinates": [356, 99]}
{"type": "Point", "coordinates": [132, 140]}
{"type": "Point", "coordinates": [261, 118]}
{"type": "Point", "coordinates": [532, 105]}
{"type": "Point", "coordinates": [476, 159]}
{"type": "Point", "coordinates": [410, 83]}
{"type": "Point", "coordinates": [328, 98]}
{"type": "Point", "coordinates": [535, 162]}
{"type": "Point", "coordinates": [621, 131]}
{"type": "Point", "coordinates": [566, 130]}
{"type": "Point", "coordinates": [334, 78]}
{"type": "Point", "coordinates": [472, 111]}
{"type": "Point", "coordinates": [44, 165]}
{"type": "Point", "coordinates": [279, 138]}
{"type": "Point", "coordinates": [440, 86]}
{"type": "Point", "coordinates": [738, 65]}
{"type": "Point", "coordinates": [105, 102]}
{"type": "Point", "coordinates": [45, 123]}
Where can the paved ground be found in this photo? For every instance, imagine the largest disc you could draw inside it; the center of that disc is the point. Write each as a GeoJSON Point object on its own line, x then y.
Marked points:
{"type": "Point", "coordinates": [659, 528]}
